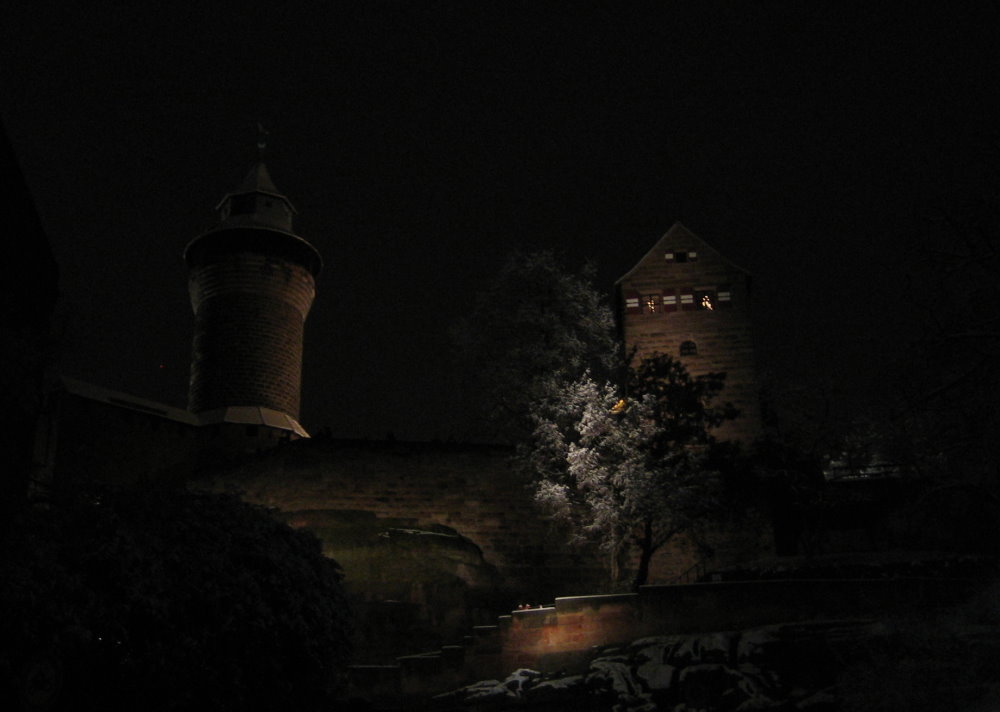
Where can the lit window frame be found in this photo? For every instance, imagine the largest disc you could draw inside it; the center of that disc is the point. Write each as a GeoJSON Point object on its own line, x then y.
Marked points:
{"type": "Point", "coordinates": [706, 298]}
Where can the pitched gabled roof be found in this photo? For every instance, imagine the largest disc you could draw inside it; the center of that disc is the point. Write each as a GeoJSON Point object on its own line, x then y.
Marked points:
{"type": "Point", "coordinates": [676, 230]}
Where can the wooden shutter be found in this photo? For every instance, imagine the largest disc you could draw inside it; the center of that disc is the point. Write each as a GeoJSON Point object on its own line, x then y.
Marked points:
{"type": "Point", "coordinates": [631, 298]}
{"type": "Point", "coordinates": [725, 297]}
{"type": "Point", "coordinates": [687, 299]}
{"type": "Point", "coordinates": [670, 300]}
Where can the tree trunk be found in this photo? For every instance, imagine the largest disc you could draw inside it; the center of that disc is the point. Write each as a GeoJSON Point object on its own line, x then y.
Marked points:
{"type": "Point", "coordinates": [646, 550]}
{"type": "Point", "coordinates": [618, 560]}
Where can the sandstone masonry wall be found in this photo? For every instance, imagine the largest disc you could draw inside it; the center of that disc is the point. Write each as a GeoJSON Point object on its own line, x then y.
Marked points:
{"type": "Point", "coordinates": [471, 489]}
{"type": "Point", "coordinates": [250, 311]}
{"type": "Point", "coordinates": [661, 306]}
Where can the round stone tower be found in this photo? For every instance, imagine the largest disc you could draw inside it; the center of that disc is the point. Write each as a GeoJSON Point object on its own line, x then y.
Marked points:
{"type": "Point", "coordinates": [252, 281]}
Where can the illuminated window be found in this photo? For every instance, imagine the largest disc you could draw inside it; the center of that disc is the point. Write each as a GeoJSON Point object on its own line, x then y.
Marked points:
{"type": "Point", "coordinates": [705, 299]}
{"type": "Point", "coordinates": [687, 299]}
{"type": "Point", "coordinates": [689, 348]}
{"type": "Point", "coordinates": [725, 297]}
{"type": "Point", "coordinates": [651, 303]}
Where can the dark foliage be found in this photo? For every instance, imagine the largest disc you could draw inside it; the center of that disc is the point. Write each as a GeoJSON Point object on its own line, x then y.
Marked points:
{"type": "Point", "coordinates": [944, 662]}
{"type": "Point", "coordinates": [950, 401]}
{"type": "Point", "coordinates": [686, 410]}
{"type": "Point", "coordinates": [161, 600]}
{"type": "Point", "coordinates": [533, 328]}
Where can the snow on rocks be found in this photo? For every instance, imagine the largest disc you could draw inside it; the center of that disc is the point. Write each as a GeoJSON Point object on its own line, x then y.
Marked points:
{"type": "Point", "coordinates": [767, 668]}
{"type": "Point", "coordinates": [494, 691]}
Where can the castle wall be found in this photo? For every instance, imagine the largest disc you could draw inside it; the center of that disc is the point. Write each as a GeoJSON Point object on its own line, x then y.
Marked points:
{"type": "Point", "coordinates": [728, 623]}
{"type": "Point", "coordinates": [346, 490]}
{"type": "Point", "coordinates": [744, 536]}
{"type": "Point", "coordinates": [557, 637]}
{"type": "Point", "coordinates": [471, 489]}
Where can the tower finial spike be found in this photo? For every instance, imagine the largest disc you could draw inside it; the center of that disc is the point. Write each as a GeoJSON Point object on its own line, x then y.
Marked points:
{"type": "Point", "coordinates": [262, 135]}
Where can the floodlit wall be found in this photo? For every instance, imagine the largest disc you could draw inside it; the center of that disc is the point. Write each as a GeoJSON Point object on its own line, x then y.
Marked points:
{"type": "Point", "coordinates": [563, 636]}
{"type": "Point", "coordinates": [685, 300]}
{"type": "Point", "coordinates": [471, 489]}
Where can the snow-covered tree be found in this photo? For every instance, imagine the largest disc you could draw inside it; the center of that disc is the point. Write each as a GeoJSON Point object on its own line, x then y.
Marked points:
{"type": "Point", "coordinates": [629, 471]}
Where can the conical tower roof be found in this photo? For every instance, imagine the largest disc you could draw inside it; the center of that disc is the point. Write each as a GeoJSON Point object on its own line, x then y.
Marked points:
{"type": "Point", "coordinates": [258, 180]}
{"type": "Point", "coordinates": [256, 202]}
{"type": "Point", "coordinates": [256, 216]}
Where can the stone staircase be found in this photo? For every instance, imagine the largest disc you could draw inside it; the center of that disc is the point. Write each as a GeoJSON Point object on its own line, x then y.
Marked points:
{"type": "Point", "coordinates": [564, 635]}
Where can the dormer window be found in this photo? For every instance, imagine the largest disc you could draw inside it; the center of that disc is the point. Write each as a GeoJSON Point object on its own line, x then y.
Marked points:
{"type": "Point", "coordinates": [681, 256]}
{"type": "Point", "coordinates": [242, 205]}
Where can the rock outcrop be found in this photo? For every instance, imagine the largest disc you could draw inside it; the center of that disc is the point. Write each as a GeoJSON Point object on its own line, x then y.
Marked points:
{"type": "Point", "coordinates": [816, 666]}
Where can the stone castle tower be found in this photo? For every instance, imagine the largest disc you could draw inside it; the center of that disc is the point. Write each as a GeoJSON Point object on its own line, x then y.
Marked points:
{"type": "Point", "coordinates": [686, 300]}
{"type": "Point", "coordinates": [252, 281]}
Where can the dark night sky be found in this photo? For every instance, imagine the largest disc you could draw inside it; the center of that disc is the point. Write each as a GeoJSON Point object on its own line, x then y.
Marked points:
{"type": "Point", "coordinates": [816, 143]}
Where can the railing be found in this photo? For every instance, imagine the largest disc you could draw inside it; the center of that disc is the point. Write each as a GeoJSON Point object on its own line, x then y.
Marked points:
{"type": "Point", "coordinates": [691, 575]}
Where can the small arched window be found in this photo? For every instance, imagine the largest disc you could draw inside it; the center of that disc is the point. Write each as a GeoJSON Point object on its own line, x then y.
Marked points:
{"type": "Point", "coordinates": [689, 348]}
